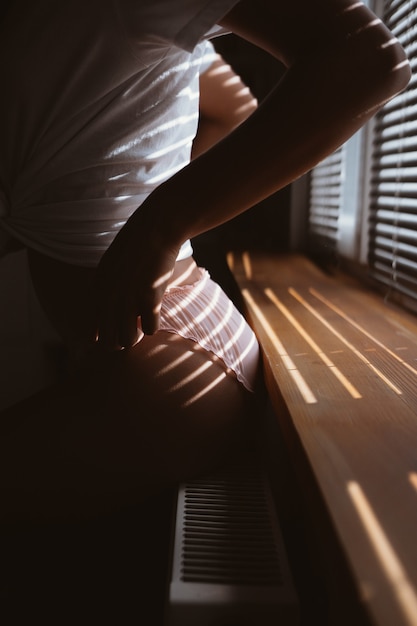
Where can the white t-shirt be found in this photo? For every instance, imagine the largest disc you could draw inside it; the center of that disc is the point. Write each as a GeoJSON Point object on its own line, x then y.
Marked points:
{"type": "Point", "coordinates": [99, 106]}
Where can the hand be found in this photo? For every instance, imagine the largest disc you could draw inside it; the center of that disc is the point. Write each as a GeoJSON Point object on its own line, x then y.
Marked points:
{"type": "Point", "coordinates": [130, 281]}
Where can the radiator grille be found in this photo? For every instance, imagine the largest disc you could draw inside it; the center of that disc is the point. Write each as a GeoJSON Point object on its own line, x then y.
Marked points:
{"type": "Point", "coordinates": [227, 534]}
{"type": "Point", "coordinates": [228, 558]}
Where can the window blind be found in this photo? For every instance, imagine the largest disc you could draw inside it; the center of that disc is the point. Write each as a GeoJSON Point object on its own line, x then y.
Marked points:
{"type": "Point", "coordinates": [392, 249]}
{"type": "Point", "coordinates": [326, 191]}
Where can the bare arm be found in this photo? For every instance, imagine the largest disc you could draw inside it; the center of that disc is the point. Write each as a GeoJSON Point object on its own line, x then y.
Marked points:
{"type": "Point", "coordinates": [342, 65]}
{"type": "Point", "coordinates": [225, 102]}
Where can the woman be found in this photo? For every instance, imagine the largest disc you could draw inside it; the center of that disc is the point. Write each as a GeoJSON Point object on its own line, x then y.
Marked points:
{"type": "Point", "coordinates": [98, 121]}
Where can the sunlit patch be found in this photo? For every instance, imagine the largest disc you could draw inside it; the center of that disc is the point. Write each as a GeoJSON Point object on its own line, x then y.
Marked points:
{"type": "Point", "coordinates": [229, 344]}
{"type": "Point", "coordinates": [244, 91]}
{"type": "Point", "coordinates": [352, 322]}
{"type": "Point", "coordinates": [244, 108]}
{"type": "Point", "coordinates": [157, 349]}
{"type": "Point", "coordinates": [351, 389]}
{"type": "Point", "coordinates": [231, 81]}
{"type": "Point", "coordinates": [353, 6]}
{"type": "Point", "coordinates": [173, 364]}
{"type": "Point", "coordinates": [191, 377]}
{"type": "Point", "coordinates": [180, 120]}
{"type": "Point", "coordinates": [179, 69]}
{"type": "Point", "coordinates": [391, 42]}
{"type": "Point", "coordinates": [246, 352]}
{"type": "Point", "coordinates": [139, 336]}
{"type": "Point", "coordinates": [201, 313]}
{"type": "Point", "coordinates": [230, 258]}
{"type": "Point", "coordinates": [181, 278]}
{"type": "Point", "coordinates": [167, 173]}
{"type": "Point", "coordinates": [289, 365]}
{"type": "Point", "coordinates": [413, 479]}
{"type": "Point", "coordinates": [223, 323]}
{"type": "Point", "coordinates": [175, 310]}
{"type": "Point", "coordinates": [404, 592]}
{"type": "Point", "coordinates": [205, 391]}
{"type": "Point", "coordinates": [189, 92]}
{"type": "Point", "coordinates": [347, 343]}
{"type": "Point", "coordinates": [400, 65]}
{"type": "Point", "coordinates": [160, 281]}
{"type": "Point", "coordinates": [172, 147]}
{"type": "Point", "coordinates": [118, 176]}
{"type": "Point", "coordinates": [247, 265]}
{"type": "Point", "coordinates": [219, 69]}
{"type": "Point", "coordinates": [370, 24]}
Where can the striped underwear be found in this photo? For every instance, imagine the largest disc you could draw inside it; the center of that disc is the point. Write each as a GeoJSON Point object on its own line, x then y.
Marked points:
{"type": "Point", "coordinates": [203, 313]}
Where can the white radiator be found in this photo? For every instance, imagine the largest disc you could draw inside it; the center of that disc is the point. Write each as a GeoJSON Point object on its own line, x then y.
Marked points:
{"type": "Point", "coordinates": [229, 566]}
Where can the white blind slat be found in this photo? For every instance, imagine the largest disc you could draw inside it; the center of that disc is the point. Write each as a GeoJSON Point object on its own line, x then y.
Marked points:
{"type": "Point", "coordinates": [393, 185]}
{"type": "Point", "coordinates": [325, 193]}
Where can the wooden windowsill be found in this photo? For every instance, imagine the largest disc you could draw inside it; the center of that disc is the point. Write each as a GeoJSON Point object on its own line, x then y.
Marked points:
{"type": "Point", "coordinates": [345, 365]}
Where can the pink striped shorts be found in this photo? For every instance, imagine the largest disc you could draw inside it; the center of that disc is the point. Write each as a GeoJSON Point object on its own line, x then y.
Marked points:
{"type": "Point", "coordinates": [204, 313]}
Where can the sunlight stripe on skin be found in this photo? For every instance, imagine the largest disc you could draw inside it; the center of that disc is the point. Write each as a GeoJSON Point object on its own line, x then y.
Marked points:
{"type": "Point", "coordinates": [351, 389]}
{"type": "Point", "coordinates": [405, 594]}
{"type": "Point", "coordinates": [391, 42]}
{"type": "Point", "coordinates": [180, 279]}
{"type": "Point", "coordinates": [289, 365]}
{"type": "Point", "coordinates": [188, 379]}
{"type": "Point", "coordinates": [206, 390]}
{"type": "Point", "coordinates": [162, 279]}
{"type": "Point", "coordinates": [352, 7]}
{"type": "Point", "coordinates": [351, 347]}
{"type": "Point", "coordinates": [173, 364]}
{"type": "Point", "coordinates": [154, 351]}
{"type": "Point", "coordinates": [400, 65]}
{"type": "Point", "coordinates": [370, 24]}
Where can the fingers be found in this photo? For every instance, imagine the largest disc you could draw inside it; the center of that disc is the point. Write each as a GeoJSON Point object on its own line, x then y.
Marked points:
{"type": "Point", "coordinates": [123, 326]}
{"type": "Point", "coordinates": [116, 331]}
{"type": "Point", "coordinates": [128, 288]}
{"type": "Point", "coordinates": [151, 320]}
{"type": "Point", "coordinates": [128, 332]}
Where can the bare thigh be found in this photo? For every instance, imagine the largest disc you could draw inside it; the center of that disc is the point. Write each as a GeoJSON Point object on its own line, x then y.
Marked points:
{"type": "Point", "coordinates": [128, 424]}
{"type": "Point", "coordinates": [166, 407]}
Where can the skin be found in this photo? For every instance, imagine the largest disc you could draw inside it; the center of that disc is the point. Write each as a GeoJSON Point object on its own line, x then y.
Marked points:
{"type": "Point", "coordinates": [128, 425]}
{"type": "Point", "coordinates": [124, 429]}
{"type": "Point", "coordinates": [336, 55]}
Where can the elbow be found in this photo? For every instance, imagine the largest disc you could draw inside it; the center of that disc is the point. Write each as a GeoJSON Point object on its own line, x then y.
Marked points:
{"type": "Point", "coordinates": [379, 60]}
{"type": "Point", "coordinates": [369, 64]}
{"type": "Point", "coordinates": [395, 66]}
{"type": "Point", "coordinates": [388, 73]}
{"type": "Point", "coordinates": [373, 67]}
